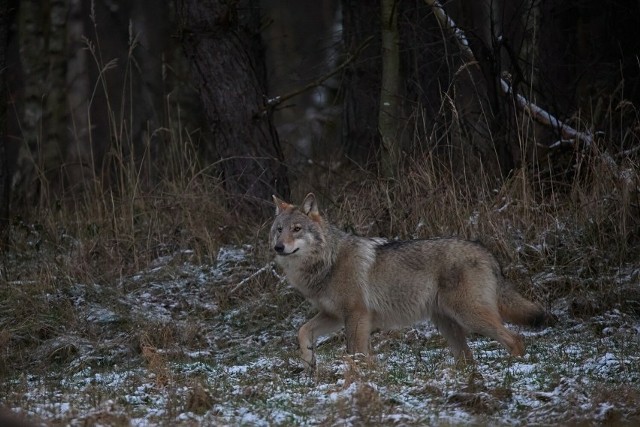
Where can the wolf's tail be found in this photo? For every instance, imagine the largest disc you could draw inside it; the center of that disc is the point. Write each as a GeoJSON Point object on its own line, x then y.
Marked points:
{"type": "Point", "coordinates": [514, 308]}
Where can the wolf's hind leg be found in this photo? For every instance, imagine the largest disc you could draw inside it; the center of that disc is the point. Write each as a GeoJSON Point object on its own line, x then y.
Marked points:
{"type": "Point", "coordinates": [487, 321]}
{"type": "Point", "coordinates": [481, 317]}
{"type": "Point", "coordinates": [321, 324]}
{"type": "Point", "coordinates": [456, 337]}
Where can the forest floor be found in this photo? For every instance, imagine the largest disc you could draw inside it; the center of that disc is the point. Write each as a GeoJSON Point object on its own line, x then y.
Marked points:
{"type": "Point", "coordinates": [162, 347]}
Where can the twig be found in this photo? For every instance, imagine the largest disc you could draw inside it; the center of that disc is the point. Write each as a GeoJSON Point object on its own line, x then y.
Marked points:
{"type": "Point", "coordinates": [277, 100]}
{"type": "Point", "coordinates": [537, 113]}
{"type": "Point", "coordinates": [246, 279]}
{"type": "Point", "coordinates": [629, 151]}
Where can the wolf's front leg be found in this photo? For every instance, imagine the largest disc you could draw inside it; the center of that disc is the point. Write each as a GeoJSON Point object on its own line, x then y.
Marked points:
{"type": "Point", "coordinates": [358, 330]}
{"type": "Point", "coordinates": [322, 324]}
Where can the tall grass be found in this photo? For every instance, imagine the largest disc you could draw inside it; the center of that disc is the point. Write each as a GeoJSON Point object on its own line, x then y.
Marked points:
{"type": "Point", "coordinates": [132, 208]}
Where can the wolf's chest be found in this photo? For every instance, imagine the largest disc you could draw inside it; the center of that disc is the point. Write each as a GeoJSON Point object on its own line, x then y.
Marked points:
{"type": "Point", "coordinates": [328, 305]}
{"type": "Point", "coordinates": [315, 288]}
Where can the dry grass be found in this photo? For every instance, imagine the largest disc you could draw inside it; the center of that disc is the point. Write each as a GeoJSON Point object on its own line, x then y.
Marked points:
{"type": "Point", "coordinates": [68, 313]}
{"type": "Point", "coordinates": [584, 231]}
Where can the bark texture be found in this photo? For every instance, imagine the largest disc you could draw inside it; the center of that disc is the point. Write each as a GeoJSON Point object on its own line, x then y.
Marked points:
{"type": "Point", "coordinates": [5, 175]}
{"type": "Point", "coordinates": [224, 47]}
{"type": "Point", "coordinates": [389, 92]}
{"type": "Point", "coordinates": [361, 81]}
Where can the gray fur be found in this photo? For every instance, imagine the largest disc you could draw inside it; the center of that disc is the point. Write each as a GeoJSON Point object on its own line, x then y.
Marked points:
{"type": "Point", "coordinates": [366, 284]}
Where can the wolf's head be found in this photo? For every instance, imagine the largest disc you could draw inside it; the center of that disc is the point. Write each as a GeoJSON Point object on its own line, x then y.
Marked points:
{"type": "Point", "coordinates": [296, 231]}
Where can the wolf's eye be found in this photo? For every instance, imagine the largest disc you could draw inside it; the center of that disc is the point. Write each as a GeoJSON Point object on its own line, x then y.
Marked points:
{"type": "Point", "coordinates": [279, 229]}
{"type": "Point", "coordinates": [297, 228]}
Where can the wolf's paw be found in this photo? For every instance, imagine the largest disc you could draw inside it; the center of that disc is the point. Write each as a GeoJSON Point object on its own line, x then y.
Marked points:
{"type": "Point", "coordinates": [298, 366]}
{"type": "Point", "coordinates": [464, 359]}
{"type": "Point", "coordinates": [356, 357]}
{"type": "Point", "coordinates": [475, 382]}
{"type": "Point", "coordinates": [308, 365]}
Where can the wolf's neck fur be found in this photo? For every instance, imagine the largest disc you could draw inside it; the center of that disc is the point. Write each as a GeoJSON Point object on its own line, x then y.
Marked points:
{"type": "Point", "coordinates": [311, 273]}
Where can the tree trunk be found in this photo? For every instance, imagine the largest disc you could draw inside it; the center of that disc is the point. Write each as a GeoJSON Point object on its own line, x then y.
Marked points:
{"type": "Point", "coordinates": [5, 175]}
{"type": "Point", "coordinates": [80, 162]}
{"type": "Point", "coordinates": [32, 37]}
{"type": "Point", "coordinates": [56, 142]}
{"type": "Point", "coordinates": [389, 92]}
{"type": "Point", "coordinates": [224, 47]}
{"type": "Point", "coordinates": [361, 81]}
{"type": "Point", "coordinates": [42, 40]}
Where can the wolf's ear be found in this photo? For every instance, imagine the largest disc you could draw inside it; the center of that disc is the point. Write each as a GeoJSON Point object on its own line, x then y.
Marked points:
{"type": "Point", "coordinates": [281, 205]}
{"type": "Point", "coordinates": [310, 205]}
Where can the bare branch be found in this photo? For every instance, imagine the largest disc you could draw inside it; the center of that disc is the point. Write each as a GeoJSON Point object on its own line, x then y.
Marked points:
{"type": "Point", "coordinates": [536, 112]}
{"type": "Point", "coordinates": [277, 100]}
{"type": "Point", "coordinates": [545, 118]}
{"type": "Point", "coordinates": [448, 23]}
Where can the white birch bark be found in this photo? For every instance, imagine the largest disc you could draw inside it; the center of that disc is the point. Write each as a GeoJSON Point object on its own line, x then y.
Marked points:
{"type": "Point", "coordinates": [567, 133]}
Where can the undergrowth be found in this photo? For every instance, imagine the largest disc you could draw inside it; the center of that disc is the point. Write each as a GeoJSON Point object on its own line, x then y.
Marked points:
{"type": "Point", "coordinates": [77, 279]}
{"type": "Point", "coordinates": [579, 244]}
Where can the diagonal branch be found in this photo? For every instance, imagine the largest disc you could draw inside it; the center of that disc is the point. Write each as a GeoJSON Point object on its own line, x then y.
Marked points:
{"type": "Point", "coordinates": [567, 133]}
{"type": "Point", "coordinates": [277, 100]}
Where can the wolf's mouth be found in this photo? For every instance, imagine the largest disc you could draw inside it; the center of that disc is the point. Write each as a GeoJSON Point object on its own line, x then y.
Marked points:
{"type": "Point", "coordinates": [287, 253]}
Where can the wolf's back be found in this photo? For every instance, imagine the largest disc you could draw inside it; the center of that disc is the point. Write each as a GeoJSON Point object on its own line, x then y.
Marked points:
{"type": "Point", "coordinates": [425, 267]}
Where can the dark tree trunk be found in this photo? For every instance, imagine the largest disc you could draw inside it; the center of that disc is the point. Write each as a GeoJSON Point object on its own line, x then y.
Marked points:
{"type": "Point", "coordinates": [5, 176]}
{"type": "Point", "coordinates": [32, 44]}
{"type": "Point", "coordinates": [488, 113]}
{"type": "Point", "coordinates": [586, 47]}
{"type": "Point", "coordinates": [389, 90]}
{"type": "Point", "coordinates": [224, 47]}
{"type": "Point", "coordinates": [42, 41]}
{"type": "Point", "coordinates": [361, 80]}
{"type": "Point", "coordinates": [427, 69]}
{"type": "Point", "coordinates": [56, 144]}
{"type": "Point", "coordinates": [126, 109]}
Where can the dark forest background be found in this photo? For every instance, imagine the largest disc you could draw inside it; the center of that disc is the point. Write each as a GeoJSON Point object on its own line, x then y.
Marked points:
{"type": "Point", "coordinates": [110, 100]}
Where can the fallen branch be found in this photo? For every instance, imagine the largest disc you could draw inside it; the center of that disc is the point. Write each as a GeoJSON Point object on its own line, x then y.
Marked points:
{"type": "Point", "coordinates": [267, 267]}
{"type": "Point", "coordinates": [567, 133]}
{"type": "Point", "coordinates": [537, 113]}
{"type": "Point", "coordinates": [246, 279]}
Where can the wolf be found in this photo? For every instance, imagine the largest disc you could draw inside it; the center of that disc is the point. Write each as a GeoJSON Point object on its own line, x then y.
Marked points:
{"type": "Point", "coordinates": [367, 284]}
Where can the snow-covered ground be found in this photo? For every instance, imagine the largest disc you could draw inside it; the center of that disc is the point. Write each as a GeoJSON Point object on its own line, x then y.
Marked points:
{"type": "Point", "coordinates": [184, 344]}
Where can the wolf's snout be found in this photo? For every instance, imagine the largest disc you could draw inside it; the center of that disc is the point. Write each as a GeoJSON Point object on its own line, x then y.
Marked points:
{"type": "Point", "coordinates": [279, 247]}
